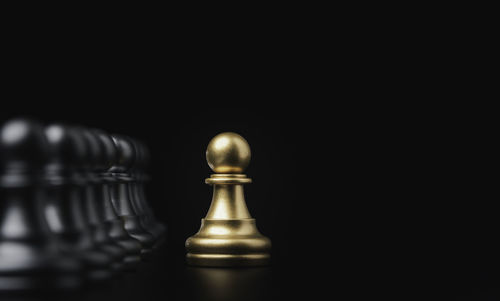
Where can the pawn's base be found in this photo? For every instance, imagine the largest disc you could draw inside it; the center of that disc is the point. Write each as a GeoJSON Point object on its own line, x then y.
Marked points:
{"type": "Point", "coordinates": [31, 283]}
{"type": "Point", "coordinates": [27, 267]}
{"type": "Point", "coordinates": [228, 242]}
{"type": "Point", "coordinates": [228, 260]}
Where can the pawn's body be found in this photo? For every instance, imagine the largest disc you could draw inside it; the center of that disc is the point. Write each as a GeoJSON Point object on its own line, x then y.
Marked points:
{"type": "Point", "coordinates": [114, 225]}
{"type": "Point", "coordinates": [121, 198]}
{"type": "Point", "coordinates": [64, 210]}
{"type": "Point", "coordinates": [92, 201]}
{"type": "Point", "coordinates": [138, 196]}
{"type": "Point", "coordinates": [228, 235]}
{"type": "Point", "coordinates": [30, 258]}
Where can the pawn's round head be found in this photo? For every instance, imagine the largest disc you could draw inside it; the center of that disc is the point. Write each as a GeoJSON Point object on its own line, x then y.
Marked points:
{"type": "Point", "coordinates": [66, 146]}
{"type": "Point", "coordinates": [125, 154]}
{"type": "Point", "coordinates": [109, 149]}
{"type": "Point", "coordinates": [228, 153]}
{"type": "Point", "coordinates": [23, 141]}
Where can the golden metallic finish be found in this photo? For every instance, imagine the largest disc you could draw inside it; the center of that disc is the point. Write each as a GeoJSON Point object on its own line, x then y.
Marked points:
{"type": "Point", "coordinates": [228, 179]}
{"type": "Point", "coordinates": [228, 235]}
{"type": "Point", "coordinates": [228, 153]}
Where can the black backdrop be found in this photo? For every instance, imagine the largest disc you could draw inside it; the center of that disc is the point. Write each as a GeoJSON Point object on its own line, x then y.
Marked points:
{"type": "Point", "coordinates": [357, 199]}
{"type": "Point", "coordinates": [367, 165]}
{"type": "Point", "coordinates": [365, 177]}
{"type": "Point", "coordinates": [177, 136]}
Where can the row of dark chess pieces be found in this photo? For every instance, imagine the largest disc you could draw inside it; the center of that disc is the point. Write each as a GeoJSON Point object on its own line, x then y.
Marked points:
{"type": "Point", "coordinates": [73, 209]}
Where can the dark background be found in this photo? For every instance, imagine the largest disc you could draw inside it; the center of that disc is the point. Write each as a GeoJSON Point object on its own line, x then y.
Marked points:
{"type": "Point", "coordinates": [177, 139]}
{"type": "Point", "coordinates": [358, 200]}
{"type": "Point", "coordinates": [367, 166]}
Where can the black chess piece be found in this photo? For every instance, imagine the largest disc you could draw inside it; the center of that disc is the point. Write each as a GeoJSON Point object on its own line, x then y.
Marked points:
{"type": "Point", "coordinates": [29, 255]}
{"type": "Point", "coordinates": [63, 208]}
{"type": "Point", "coordinates": [115, 225]}
{"type": "Point", "coordinates": [120, 195]}
{"type": "Point", "coordinates": [138, 196]}
{"type": "Point", "coordinates": [92, 200]}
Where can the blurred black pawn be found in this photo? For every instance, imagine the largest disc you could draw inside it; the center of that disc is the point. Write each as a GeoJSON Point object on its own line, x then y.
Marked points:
{"type": "Point", "coordinates": [138, 196]}
{"type": "Point", "coordinates": [92, 200]}
{"type": "Point", "coordinates": [114, 224]}
{"type": "Point", "coordinates": [29, 255]}
{"type": "Point", "coordinates": [64, 210]}
{"type": "Point", "coordinates": [120, 195]}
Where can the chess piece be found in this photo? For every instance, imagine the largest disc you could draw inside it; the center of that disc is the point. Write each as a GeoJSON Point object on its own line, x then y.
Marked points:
{"type": "Point", "coordinates": [228, 235]}
{"type": "Point", "coordinates": [115, 225]}
{"type": "Point", "coordinates": [146, 158]}
{"type": "Point", "coordinates": [120, 195]}
{"type": "Point", "coordinates": [64, 210]}
{"type": "Point", "coordinates": [138, 196]}
{"type": "Point", "coordinates": [29, 255]}
{"type": "Point", "coordinates": [92, 201]}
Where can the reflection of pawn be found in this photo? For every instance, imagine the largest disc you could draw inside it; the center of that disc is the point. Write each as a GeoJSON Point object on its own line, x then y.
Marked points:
{"type": "Point", "coordinates": [228, 235]}
{"type": "Point", "coordinates": [29, 255]}
{"type": "Point", "coordinates": [138, 195]}
{"type": "Point", "coordinates": [115, 225]}
{"type": "Point", "coordinates": [228, 284]}
{"type": "Point", "coordinates": [120, 196]}
{"type": "Point", "coordinates": [64, 210]}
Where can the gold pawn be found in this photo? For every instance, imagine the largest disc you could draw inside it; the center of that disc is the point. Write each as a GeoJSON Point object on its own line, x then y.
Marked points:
{"type": "Point", "coordinates": [228, 235]}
